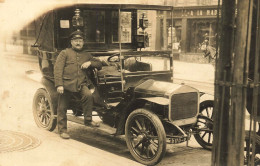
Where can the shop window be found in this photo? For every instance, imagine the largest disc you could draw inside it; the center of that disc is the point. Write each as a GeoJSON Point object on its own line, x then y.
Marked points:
{"type": "Point", "coordinates": [94, 26]}
{"type": "Point", "coordinates": [126, 24]}
{"type": "Point", "coordinates": [28, 31]}
{"type": "Point", "coordinates": [174, 31]}
{"type": "Point", "coordinates": [201, 30]}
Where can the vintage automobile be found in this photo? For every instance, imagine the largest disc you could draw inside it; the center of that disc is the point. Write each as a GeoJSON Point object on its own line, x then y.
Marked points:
{"type": "Point", "coordinates": [134, 91]}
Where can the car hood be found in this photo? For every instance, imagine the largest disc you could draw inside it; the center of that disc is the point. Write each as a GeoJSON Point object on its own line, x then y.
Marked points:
{"type": "Point", "coordinates": [161, 88]}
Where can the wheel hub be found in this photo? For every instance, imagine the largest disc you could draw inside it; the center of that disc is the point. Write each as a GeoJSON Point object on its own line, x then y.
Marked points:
{"type": "Point", "coordinates": [43, 108]}
{"type": "Point", "coordinates": [140, 138]}
{"type": "Point", "coordinates": [143, 137]}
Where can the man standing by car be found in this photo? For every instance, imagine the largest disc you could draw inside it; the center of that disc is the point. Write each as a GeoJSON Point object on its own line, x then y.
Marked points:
{"type": "Point", "coordinates": [71, 81]}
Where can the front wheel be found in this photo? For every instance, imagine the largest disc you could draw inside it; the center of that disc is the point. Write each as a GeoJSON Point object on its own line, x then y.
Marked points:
{"type": "Point", "coordinates": [145, 137]}
{"type": "Point", "coordinates": [204, 135]}
{"type": "Point", "coordinates": [43, 111]}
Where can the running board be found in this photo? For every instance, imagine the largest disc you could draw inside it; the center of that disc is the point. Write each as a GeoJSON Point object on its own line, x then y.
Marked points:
{"type": "Point", "coordinates": [103, 127]}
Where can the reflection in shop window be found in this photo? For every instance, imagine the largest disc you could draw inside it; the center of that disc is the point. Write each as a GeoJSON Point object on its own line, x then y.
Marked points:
{"type": "Point", "coordinates": [201, 30]}
{"type": "Point", "coordinates": [174, 31]}
{"type": "Point", "coordinates": [95, 26]}
{"type": "Point", "coordinates": [126, 24]}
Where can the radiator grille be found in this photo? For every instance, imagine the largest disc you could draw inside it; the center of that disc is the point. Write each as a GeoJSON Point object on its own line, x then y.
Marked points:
{"type": "Point", "coordinates": [184, 105]}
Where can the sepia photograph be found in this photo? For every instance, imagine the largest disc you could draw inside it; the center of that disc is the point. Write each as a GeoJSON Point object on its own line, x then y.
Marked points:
{"type": "Point", "coordinates": [129, 82]}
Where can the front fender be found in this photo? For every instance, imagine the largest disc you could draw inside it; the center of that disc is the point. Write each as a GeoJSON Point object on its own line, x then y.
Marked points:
{"type": "Point", "coordinates": [126, 107]}
{"type": "Point", "coordinates": [205, 96]}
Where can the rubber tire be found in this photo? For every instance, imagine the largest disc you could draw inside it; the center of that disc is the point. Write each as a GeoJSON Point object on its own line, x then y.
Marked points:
{"type": "Point", "coordinates": [160, 131]}
{"type": "Point", "coordinates": [204, 105]}
{"type": "Point", "coordinates": [53, 121]}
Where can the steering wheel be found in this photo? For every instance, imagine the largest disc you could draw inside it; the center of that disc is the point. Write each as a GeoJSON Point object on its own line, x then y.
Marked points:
{"type": "Point", "coordinates": [114, 58]}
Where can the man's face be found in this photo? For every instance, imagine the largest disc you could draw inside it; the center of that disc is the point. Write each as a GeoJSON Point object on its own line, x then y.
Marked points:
{"type": "Point", "coordinates": [77, 44]}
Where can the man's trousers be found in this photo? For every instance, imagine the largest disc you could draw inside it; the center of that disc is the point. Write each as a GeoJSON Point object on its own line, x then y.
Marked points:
{"type": "Point", "coordinates": [86, 99]}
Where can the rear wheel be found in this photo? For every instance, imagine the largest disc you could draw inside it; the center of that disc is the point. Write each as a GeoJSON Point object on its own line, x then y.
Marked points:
{"type": "Point", "coordinates": [43, 111]}
{"type": "Point", "coordinates": [145, 137]}
{"type": "Point", "coordinates": [205, 125]}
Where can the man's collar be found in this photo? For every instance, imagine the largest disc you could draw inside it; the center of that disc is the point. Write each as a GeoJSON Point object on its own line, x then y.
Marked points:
{"type": "Point", "coordinates": [77, 50]}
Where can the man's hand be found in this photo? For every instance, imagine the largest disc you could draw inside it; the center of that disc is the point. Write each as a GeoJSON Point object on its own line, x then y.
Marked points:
{"type": "Point", "coordinates": [60, 89]}
{"type": "Point", "coordinates": [85, 65]}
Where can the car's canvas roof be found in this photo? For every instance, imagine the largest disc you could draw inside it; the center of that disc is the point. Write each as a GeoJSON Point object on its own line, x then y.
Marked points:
{"type": "Point", "coordinates": [127, 6]}
{"type": "Point", "coordinates": [116, 4]}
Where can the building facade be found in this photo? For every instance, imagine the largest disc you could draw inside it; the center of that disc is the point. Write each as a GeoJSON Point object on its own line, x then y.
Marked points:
{"type": "Point", "coordinates": [193, 22]}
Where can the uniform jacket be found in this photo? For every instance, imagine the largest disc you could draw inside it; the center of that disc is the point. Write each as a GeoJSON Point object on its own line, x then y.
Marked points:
{"type": "Point", "coordinates": [67, 69]}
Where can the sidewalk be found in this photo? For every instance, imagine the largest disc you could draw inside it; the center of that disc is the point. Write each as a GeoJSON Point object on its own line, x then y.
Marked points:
{"type": "Point", "coordinates": [54, 151]}
{"type": "Point", "coordinates": [193, 71]}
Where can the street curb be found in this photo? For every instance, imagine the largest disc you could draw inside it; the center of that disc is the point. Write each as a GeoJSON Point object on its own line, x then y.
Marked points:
{"type": "Point", "coordinates": [206, 83]}
{"type": "Point", "coordinates": [21, 57]}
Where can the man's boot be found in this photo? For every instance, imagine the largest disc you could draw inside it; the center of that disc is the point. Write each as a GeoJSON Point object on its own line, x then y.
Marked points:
{"type": "Point", "coordinates": [91, 123]}
{"type": "Point", "coordinates": [65, 135]}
